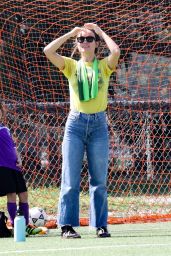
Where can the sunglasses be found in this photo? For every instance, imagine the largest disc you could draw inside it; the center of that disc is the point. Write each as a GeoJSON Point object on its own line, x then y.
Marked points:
{"type": "Point", "coordinates": [88, 39]}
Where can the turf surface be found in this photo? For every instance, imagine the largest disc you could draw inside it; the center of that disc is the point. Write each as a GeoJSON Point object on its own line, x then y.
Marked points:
{"type": "Point", "coordinates": [127, 240]}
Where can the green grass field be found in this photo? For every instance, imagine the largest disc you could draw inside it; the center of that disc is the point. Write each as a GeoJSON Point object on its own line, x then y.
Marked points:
{"type": "Point", "coordinates": [47, 198]}
{"type": "Point", "coordinates": [150, 239]}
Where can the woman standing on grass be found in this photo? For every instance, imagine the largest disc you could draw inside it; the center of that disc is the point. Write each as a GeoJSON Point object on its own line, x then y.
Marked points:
{"type": "Point", "coordinates": [86, 127]}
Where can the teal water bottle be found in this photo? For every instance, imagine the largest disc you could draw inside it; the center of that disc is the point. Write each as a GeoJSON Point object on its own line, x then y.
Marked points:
{"type": "Point", "coordinates": [19, 227]}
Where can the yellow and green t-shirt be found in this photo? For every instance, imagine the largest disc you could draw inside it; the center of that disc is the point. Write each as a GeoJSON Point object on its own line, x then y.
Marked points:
{"type": "Point", "coordinates": [94, 105]}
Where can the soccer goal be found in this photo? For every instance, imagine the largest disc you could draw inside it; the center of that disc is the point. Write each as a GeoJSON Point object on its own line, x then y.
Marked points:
{"type": "Point", "coordinates": [139, 111]}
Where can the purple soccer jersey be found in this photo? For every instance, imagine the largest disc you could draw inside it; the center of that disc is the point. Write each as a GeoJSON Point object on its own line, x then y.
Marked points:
{"type": "Point", "coordinates": [8, 156]}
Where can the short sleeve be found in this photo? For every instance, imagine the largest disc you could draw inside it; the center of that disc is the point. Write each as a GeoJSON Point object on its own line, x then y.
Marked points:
{"type": "Point", "coordinates": [69, 65]}
{"type": "Point", "coordinates": [6, 135]}
{"type": "Point", "coordinates": [106, 68]}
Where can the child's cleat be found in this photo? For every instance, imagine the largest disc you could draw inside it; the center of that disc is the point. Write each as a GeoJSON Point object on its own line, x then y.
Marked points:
{"type": "Point", "coordinates": [43, 231]}
{"type": "Point", "coordinates": [32, 230]}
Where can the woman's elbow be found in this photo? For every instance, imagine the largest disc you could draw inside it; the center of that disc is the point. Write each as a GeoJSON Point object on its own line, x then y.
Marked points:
{"type": "Point", "coordinates": [45, 50]}
{"type": "Point", "coordinates": [117, 51]}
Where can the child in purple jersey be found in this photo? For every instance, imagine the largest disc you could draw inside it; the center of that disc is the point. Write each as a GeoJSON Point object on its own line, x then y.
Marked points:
{"type": "Point", "coordinates": [12, 183]}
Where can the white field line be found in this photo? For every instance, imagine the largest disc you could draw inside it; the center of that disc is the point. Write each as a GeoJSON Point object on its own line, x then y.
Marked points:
{"type": "Point", "coordinates": [84, 248]}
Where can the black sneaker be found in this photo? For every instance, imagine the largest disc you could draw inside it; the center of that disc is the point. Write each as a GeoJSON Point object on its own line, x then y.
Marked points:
{"type": "Point", "coordinates": [102, 232]}
{"type": "Point", "coordinates": [69, 232]}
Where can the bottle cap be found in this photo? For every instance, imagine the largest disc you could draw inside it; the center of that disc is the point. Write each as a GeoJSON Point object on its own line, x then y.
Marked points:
{"type": "Point", "coordinates": [19, 212]}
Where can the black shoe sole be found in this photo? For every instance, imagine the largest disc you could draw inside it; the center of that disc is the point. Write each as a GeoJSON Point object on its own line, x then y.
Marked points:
{"type": "Point", "coordinates": [104, 235]}
{"type": "Point", "coordinates": [70, 237]}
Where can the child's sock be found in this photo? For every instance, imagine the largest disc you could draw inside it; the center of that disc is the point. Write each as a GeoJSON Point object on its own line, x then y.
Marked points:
{"type": "Point", "coordinates": [12, 209]}
{"type": "Point", "coordinates": [24, 207]}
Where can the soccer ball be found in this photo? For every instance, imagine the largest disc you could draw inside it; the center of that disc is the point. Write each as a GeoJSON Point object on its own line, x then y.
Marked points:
{"type": "Point", "coordinates": [37, 216]}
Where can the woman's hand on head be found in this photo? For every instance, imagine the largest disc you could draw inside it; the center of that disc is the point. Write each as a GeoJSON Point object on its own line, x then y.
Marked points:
{"type": "Point", "coordinates": [75, 31]}
{"type": "Point", "coordinates": [93, 26]}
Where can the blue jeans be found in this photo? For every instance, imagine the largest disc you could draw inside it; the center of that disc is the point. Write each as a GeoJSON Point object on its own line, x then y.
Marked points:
{"type": "Point", "coordinates": [84, 133]}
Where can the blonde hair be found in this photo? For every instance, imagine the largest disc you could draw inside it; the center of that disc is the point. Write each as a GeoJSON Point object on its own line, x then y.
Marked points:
{"type": "Point", "coordinates": [2, 109]}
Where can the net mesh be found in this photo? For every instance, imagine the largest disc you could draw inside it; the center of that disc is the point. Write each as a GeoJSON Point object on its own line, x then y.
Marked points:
{"type": "Point", "coordinates": [37, 98]}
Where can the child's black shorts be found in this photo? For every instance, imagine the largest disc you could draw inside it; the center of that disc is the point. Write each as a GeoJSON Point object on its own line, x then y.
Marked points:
{"type": "Point", "coordinates": [11, 181]}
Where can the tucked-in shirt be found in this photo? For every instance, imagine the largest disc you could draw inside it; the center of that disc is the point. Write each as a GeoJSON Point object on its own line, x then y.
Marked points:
{"type": "Point", "coordinates": [94, 105]}
{"type": "Point", "coordinates": [8, 156]}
